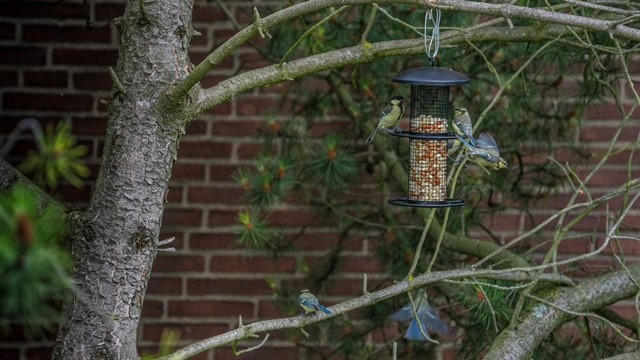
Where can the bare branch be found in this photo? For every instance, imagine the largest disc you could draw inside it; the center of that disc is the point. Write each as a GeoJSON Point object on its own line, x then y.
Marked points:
{"type": "Point", "coordinates": [519, 340]}
{"type": "Point", "coordinates": [341, 308]}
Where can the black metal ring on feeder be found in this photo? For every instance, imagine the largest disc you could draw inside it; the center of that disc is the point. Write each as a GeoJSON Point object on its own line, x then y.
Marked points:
{"type": "Point", "coordinates": [428, 135]}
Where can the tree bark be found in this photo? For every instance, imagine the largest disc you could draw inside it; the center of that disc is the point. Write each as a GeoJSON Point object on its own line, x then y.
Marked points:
{"type": "Point", "coordinates": [520, 339]}
{"type": "Point", "coordinates": [114, 241]}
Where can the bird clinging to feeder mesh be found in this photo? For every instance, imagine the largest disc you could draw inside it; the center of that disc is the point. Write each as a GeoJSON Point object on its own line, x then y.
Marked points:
{"type": "Point", "coordinates": [462, 125]}
{"type": "Point", "coordinates": [389, 117]}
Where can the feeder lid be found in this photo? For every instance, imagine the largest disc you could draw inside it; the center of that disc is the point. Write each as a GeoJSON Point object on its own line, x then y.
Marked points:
{"type": "Point", "coordinates": [431, 76]}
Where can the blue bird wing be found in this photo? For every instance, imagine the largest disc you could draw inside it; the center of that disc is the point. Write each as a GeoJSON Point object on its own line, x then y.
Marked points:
{"type": "Point", "coordinates": [466, 129]}
{"type": "Point", "coordinates": [310, 303]}
{"type": "Point", "coordinates": [433, 322]}
{"type": "Point", "coordinates": [404, 314]}
{"type": "Point", "coordinates": [486, 142]}
{"type": "Point", "coordinates": [414, 334]}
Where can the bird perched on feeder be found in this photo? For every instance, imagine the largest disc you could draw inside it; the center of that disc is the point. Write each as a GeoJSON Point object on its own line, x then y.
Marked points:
{"type": "Point", "coordinates": [389, 117]}
{"type": "Point", "coordinates": [485, 152]}
{"type": "Point", "coordinates": [461, 124]}
{"type": "Point", "coordinates": [310, 303]}
{"type": "Point", "coordinates": [429, 320]}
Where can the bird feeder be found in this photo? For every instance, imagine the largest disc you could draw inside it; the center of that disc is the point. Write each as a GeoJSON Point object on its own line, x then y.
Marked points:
{"type": "Point", "coordinates": [428, 135]}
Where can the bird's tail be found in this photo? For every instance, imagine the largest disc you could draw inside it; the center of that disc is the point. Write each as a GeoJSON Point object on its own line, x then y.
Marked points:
{"type": "Point", "coordinates": [372, 136]}
{"type": "Point", "coordinates": [324, 309]}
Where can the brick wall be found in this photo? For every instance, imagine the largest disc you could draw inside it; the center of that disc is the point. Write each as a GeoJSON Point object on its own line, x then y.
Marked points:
{"type": "Point", "coordinates": [54, 67]}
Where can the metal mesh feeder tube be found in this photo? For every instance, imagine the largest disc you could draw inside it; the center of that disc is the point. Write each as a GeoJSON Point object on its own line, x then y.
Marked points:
{"type": "Point", "coordinates": [428, 135]}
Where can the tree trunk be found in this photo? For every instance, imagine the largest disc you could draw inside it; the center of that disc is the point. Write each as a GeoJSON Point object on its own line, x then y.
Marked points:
{"type": "Point", "coordinates": [114, 242]}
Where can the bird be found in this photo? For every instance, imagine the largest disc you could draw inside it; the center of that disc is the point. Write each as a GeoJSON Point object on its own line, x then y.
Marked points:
{"type": "Point", "coordinates": [310, 303]}
{"type": "Point", "coordinates": [461, 124]}
{"type": "Point", "coordinates": [485, 152]}
{"type": "Point", "coordinates": [429, 320]}
{"type": "Point", "coordinates": [390, 116]}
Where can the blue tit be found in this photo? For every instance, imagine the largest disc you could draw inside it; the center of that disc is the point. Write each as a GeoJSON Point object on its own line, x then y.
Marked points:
{"type": "Point", "coordinates": [461, 124]}
{"type": "Point", "coordinates": [429, 320]}
{"type": "Point", "coordinates": [389, 117]}
{"type": "Point", "coordinates": [485, 153]}
{"type": "Point", "coordinates": [310, 303]}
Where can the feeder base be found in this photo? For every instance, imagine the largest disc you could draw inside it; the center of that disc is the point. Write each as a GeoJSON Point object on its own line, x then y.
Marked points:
{"type": "Point", "coordinates": [426, 204]}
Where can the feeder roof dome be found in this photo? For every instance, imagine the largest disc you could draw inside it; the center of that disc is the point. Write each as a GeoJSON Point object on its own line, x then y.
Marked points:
{"type": "Point", "coordinates": [434, 76]}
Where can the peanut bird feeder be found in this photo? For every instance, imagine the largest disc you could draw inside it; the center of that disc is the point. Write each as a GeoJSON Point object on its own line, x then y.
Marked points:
{"type": "Point", "coordinates": [428, 135]}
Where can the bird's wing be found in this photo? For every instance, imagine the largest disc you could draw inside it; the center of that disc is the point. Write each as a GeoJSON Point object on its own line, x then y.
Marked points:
{"type": "Point", "coordinates": [414, 334]}
{"type": "Point", "coordinates": [404, 314]}
{"type": "Point", "coordinates": [466, 128]}
{"type": "Point", "coordinates": [487, 142]}
{"type": "Point", "coordinates": [386, 111]}
{"type": "Point", "coordinates": [432, 321]}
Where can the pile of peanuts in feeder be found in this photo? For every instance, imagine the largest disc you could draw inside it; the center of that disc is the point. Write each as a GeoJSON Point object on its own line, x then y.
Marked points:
{"type": "Point", "coordinates": [427, 161]}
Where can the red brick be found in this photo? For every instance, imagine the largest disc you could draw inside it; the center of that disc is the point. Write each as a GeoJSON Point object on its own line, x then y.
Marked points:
{"type": "Point", "coordinates": [152, 309]}
{"type": "Point", "coordinates": [197, 127]}
{"type": "Point", "coordinates": [90, 126]}
{"type": "Point", "coordinates": [299, 217]}
{"type": "Point", "coordinates": [178, 263]}
{"type": "Point", "coordinates": [207, 13]}
{"type": "Point", "coordinates": [205, 241]}
{"type": "Point", "coordinates": [254, 105]}
{"type": "Point", "coordinates": [249, 151]}
{"type": "Point", "coordinates": [181, 217]}
{"type": "Point", "coordinates": [39, 353]}
{"type": "Point", "coordinates": [222, 173]}
{"type": "Point", "coordinates": [8, 78]}
{"type": "Point", "coordinates": [67, 34]}
{"type": "Point", "coordinates": [205, 149]}
{"type": "Point", "coordinates": [47, 102]}
{"type": "Point", "coordinates": [322, 241]}
{"type": "Point", "coordinates": [222, 218]}
{"type": "Point", "coordinates": [228, 286]}
{"type": "Point", "coordinates": [164, 286]}
{"type": "Point", "coordinates": [182, 171]}
{"type": "Point", "coordinates": [215, 195]}
{"type": "Point", "coordinates": [361, 264]}
{"type": "Point", "coordinates": [252, 264]}
{"type": "Point", "coordinates": [174, 195]}
{"type": "Point", "coordinates": [9, 353]}
{"type": "Point", "coordinates": [49, 79]}
{"type": "Point", "coordinates": [72, 195]}
{"type": "Point", "coordinates": [42, 9]}
{"type": "Point", "coordinates": [22, 55]}
{"type": "Point", "coordinates": [88, 57]}
{"type": "Point", "coordinates": [235, 128]}
{"type": "Point", "coordinates": [210, 308]}
{"type": "Point", "coordinates": [7, 31]}
{"type": "Point", "coordinates": [251, 59]}
{"type": "Point", "coordinates": [269, 309]}
{"type": "Point", "coordinates": [153, 332]}
{"type": "Point", "coordinates": [109, 11]}
{"type": "Point", "coordinates": [92, 80]}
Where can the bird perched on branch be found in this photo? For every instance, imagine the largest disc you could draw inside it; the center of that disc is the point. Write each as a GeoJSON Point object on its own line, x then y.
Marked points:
{"type": "Point", "coordinates": [429, 320]}
{"type": "Point", "coordinates": [310, 303]}
{"type": "Point", "coordinates": [462, 125]}
{"type": "Point", "coordinates": [485, 152]}
{"type": "Point", "coordinates": [389, 117]}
